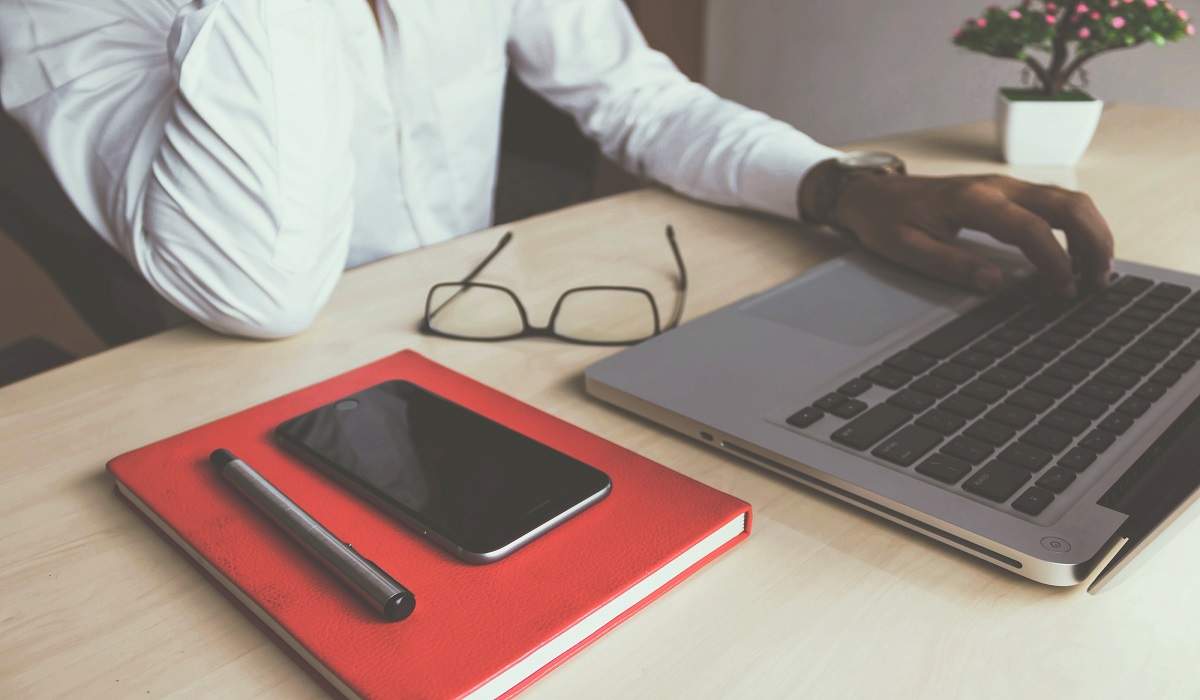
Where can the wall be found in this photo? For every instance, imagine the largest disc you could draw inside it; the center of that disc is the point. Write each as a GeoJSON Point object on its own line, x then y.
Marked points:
{"type": "Point", "coordinates": [843, 70]}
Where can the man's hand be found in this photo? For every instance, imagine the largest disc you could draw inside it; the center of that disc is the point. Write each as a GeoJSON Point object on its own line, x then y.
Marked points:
{"type": "Point", "coordinates": [912, 220]}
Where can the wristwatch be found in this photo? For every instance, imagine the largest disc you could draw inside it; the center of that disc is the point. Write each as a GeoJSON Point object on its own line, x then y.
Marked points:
{"type": "Point", "coordinates": [817, 201]}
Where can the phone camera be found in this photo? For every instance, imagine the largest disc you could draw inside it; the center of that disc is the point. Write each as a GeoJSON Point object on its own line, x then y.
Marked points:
{"type": "Point", "coordinates": [347, 405]}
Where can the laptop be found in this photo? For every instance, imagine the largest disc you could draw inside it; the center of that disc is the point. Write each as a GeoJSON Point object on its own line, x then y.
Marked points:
{"type": "Point", "coordinates": [1050, 437]}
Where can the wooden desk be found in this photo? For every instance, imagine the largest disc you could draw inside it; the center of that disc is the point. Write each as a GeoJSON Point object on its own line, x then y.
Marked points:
{"type": "Point", "coordinates": [823, 600]}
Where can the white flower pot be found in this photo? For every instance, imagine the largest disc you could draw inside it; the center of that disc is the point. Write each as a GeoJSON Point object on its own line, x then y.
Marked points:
{"type": "Point", "coordinates": [1045, 132]}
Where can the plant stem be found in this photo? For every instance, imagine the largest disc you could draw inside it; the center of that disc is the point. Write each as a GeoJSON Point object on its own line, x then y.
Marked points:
{"type": "Point", "coordinates": [1082, 58]}
{"type": "Point", "coordinates": [1039, 71]}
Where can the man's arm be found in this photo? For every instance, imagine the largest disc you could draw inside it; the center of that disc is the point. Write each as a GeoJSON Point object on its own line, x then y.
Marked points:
{"type": "Point", "coordinates": [223, 176]}
{"type": "Point", "coordinates": [588, 58]}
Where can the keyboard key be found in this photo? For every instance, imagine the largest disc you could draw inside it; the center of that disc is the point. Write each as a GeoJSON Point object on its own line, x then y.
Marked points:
{"type": "Point", "coordinates": [1049, 386]}
{"type": "Point", "coordinates": [1086, 360]}
{"type": "Point", "coordinates": [934, 386]}
{"type": "Point", "coordinates": [1014, 337]}
{"type": "Point", "coordinates": [1154, 304]}
{"type": "Point", "coordinates": [952, 372]}
{"type": "Point", "coordinates": [1067, 372]}
{"type": "Point", "coordinates": [1102, 391]}
{"type": "Point", "coordinates": [944, 468]}
{"type": "Point", "coordinates": [1142, 314]}
{"type": "Point", "coordinates": [1134, 406]}
{"type": "Point", "coordinates": [1071, 423]}
{"type": "Point", "coordinates": [1116, 423]}
{"type": "Point", "coordinates": [989, 393]}
{"type": "Point", "coordinates": [1121, 378]}
{"type": "Point", "coordinates": [1019, 363]}
{"type": "Point", "coordinates": [995, 348]}
{"type": "Point", "coordinates": [996, 481]}
{"type": "Point", "coordinates": [1084, 406]}
{"type": "Point", "coordinates": [887, 377]}
{"type": "Point", "coordinates": [1183, 330]}
{"type": "Point", "coordinates": [1132, 285]}
{"type": "Point", "coordinates": [1062, 341]}
{"type": "Point", "coordinates": [805, 417]}
{"type": "Point", "coordinates": [1149, 351]}
{"type": "Point", "coordinates": [1132, 325]}
{"type": "Point", "coordinates": [1191, 350]}
{"type": "Point", "coordinates": [1171, 292]}
{"type": "Point", "coordinates": [1030, 400]}
{"type": "Point", "coordinates": [1046, 438]}
{"type": "Point", "coordinates": [1150, 391]}
{"type": "Point", "coordinates": [1096, 346]}
{"type": "Point", "coordinates": [990, 432]}
{"type": "Point", "coordinates": [1113, 334]}
{"type": "Point", "coordinates": [849, 408]}
{"type": "Point", "coordinates": [1166, 377]}
{"type": "Point", "coordinates": [1133, 363]}
{"type": "Point", "coordinates": [1002, 377]}
{"type": "Point", "coordinates": [941, 421]}
{"type": "Point", "coordinates": [1075, 329]}
{"type": "Point", "coordinates": [974, 360]}
{"type": "Point", "coordinates": [829, 401]}
{"type": "Point", "coordinates": [1077, 459]}
{"type": "Point", "coordinates": [1033, 501]}
{"type": "Point", "coordinates": [968, 450]}
{"type": "Point", "coordinates": [1056, 479]}
{"type": "Point", "coordinates": [870, 427]}
{"type": "Point", "coordinates": [1162, 339]}
{"type": "Point", "coordinates": [1013, 416]}
{"type": "Point", "coordinates": [1180, 363]}
{"type": "Point", "coordinates": [855, 387]}
{"type": "Point", "coordinates": [911, 400]}
{"type": "Point", "coordinates": [911, 362]}
{"type": "Point", "coordinates": [1097, 441]}
{"type": "Point", "coordinates": [1037, 351]}
{"type": "Point", "coordinates": [1025, 456]}
{"type": "Point", "coordinates": [907, 445]}
{"type": "Point", "coordinates": [964, 406]}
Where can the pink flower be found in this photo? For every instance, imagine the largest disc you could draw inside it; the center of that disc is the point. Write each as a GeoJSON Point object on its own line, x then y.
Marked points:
{"type": "Point", "coordinates": [1095, 15]}
{"type": "Point", "coordinates": [1151, 3]}
{"type": "Point", "coordinates": [1128, 1]}
{"type": "Point", "coordinates": [957, 33]}
{"type": "Point", "coordinates": [1014, 14]}
{"type": "Point", "coordinates": [1190, 30]}
{"type": "Point", "coordinates": [1051, 7]}
{"type": "Point", "coordinates": [1081, 8]}
{"type": "Point", "coordinates": [1183, 14]}
{"type": "Point", "coordinates": [981, 23]}
{"type": "Point", "coordinates": [1084, 33]}
{"type": "Point", "coordinates": [1118, 22]}
{"type": "Point", "coordinates": [1051, 19]}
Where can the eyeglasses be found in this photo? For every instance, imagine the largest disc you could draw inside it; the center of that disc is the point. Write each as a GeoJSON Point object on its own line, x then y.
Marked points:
{"type": "Point", "coordinates": [603, 315]}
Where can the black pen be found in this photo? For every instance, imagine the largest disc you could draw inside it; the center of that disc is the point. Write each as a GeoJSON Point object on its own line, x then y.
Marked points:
{"type": "Point", "coordinates": [384, 593]}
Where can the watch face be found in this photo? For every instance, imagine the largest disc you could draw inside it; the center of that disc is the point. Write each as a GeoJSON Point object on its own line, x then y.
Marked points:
{"type": "Point", "coordinates": [869, 159]}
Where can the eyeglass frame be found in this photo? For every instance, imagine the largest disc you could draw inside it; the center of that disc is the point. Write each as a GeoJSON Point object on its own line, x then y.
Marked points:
{"type": "Point", "coordinates": [530, 331]}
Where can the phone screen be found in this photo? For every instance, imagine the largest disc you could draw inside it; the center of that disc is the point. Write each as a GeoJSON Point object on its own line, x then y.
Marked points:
{"type": "Point", "coordinates": [444, 468]}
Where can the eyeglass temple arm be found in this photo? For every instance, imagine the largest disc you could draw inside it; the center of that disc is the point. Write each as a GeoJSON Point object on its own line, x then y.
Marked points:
{"type": "Point", "coordinates": [504, 240]}
{"type": "Point", "coordinates": [681, 286]}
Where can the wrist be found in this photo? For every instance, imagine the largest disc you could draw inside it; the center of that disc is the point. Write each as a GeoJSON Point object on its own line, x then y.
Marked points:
{"type": "Point", "coordinates": [822, 188]}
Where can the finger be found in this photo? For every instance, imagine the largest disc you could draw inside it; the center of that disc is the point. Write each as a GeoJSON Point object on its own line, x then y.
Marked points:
{"type": "Point", "coordinates": [1088, 236]}
{"type": "Point", "coordinates": [993, 213]}
{"type": "Point", "coordinates": [945, 261]}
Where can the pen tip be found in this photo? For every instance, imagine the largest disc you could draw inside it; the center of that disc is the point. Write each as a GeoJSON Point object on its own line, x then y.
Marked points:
{"type": "Point", "coordinates": [221, 457]}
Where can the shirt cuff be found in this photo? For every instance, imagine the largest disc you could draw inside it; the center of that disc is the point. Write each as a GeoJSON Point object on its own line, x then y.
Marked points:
{"type": "Point", "coordinates": [773, 170]}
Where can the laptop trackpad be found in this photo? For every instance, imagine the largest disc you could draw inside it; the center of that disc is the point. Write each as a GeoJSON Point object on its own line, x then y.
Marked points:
{"type": "Point", "coordinates": [854, 300]}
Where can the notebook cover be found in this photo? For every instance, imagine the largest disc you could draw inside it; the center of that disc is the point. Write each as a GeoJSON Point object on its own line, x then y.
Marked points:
{"type": "Point", "coordinates": [471, 622]}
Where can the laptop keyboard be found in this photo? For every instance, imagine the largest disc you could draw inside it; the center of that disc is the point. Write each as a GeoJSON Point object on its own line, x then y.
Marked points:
{"type": "Point", "coordinates": [1013, 400]}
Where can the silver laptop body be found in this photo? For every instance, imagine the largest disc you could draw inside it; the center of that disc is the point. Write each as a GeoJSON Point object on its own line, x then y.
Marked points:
{"type": "Point", "coordinates": [734, 377]}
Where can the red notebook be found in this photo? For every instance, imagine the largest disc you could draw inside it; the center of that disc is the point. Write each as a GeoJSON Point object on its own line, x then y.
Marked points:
{"type": "Point", "coordinates": [478, 631]}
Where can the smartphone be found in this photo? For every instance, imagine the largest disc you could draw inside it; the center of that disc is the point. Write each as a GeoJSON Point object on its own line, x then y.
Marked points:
{"type": "Point", "coordinates": [473, 486]}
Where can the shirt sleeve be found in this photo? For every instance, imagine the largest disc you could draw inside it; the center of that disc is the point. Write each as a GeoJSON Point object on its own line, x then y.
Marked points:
{"type": "Point", "coordinates": [222, 173]}
{"type": "Point", "coordinates": [588, 58]}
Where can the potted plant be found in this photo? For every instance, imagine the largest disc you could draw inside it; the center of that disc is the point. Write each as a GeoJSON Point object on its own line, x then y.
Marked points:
{"type": "Point", "coordinates": [1052, 122]}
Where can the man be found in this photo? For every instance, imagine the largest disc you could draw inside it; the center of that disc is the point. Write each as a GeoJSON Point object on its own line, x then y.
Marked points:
{"type": "Point", "coordinates": [242, 153]}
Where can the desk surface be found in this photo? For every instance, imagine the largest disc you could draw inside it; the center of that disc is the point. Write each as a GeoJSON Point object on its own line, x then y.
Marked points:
{"type": "Point", "coordinates": [822, 600]}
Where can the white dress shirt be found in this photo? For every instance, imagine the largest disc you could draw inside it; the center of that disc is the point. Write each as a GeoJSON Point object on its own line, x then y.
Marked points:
{"type": "Point", "coordinates": [242, 153]}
